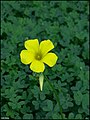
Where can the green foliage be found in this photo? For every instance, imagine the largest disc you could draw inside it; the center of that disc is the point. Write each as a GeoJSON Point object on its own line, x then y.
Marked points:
{"type": "Point", "coordinates": [66, 25]}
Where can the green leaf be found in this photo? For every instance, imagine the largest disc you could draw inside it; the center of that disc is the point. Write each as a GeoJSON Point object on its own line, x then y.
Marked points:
{"type": "Point", "coordinates": [56, 116]}
{"type": "Point", "coordinates": [49, 106]}
{"type": "Point", "coordinates": [42, 96]}
{"type": "Point", "coordinates": [85, 103]}
{"type": "Point", "coordinates": [78, 116]}
{"type": "Point", "coordinates": [28, 116]}
{"type": "Point", "coordinates": [36, 104]}
{"type": "Point", "coordinates": [78, 97]}
{"type": "Point", "coordinates": [71, 116]}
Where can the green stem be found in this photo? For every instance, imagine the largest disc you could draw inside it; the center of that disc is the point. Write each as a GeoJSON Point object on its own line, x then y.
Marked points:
{"type": "Point", "coordinates": [56, 97]}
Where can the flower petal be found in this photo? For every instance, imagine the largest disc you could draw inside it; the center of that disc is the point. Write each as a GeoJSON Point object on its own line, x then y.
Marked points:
{"type": "Point", "coordinates": [46, 46]}
{"type": "Point", "coordinates": [26, 56]}
{"type": "Point", "coordinates": [32, 45]}
{"type": "Point", "coordinates": [37, 66]}
{"type": "Point", "coordinates": [50, 59]}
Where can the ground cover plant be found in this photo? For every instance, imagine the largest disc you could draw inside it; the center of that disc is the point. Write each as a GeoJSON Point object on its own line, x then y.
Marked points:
{"type": "Point", "coordinates": [65, 23]}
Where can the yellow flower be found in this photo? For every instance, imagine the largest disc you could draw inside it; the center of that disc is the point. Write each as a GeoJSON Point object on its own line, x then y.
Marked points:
{"type": "Point", "coordinates": [37, 55]}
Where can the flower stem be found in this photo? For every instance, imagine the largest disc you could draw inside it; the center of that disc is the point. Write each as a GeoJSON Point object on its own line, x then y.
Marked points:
{"type": "Point", "coordinates": [57, 98]}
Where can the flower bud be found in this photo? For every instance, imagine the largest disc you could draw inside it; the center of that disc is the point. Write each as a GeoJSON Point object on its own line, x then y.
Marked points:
{"type": "Point", "coordinates": [41, 79]}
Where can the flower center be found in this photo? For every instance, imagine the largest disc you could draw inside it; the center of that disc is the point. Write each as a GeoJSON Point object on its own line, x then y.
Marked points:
{"type": "Point", "coordinates": [38, 56]}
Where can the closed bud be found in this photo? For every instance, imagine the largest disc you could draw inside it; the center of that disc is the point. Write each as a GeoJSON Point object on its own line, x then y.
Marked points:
{"type": "Point", "coordinates": [41, 79]}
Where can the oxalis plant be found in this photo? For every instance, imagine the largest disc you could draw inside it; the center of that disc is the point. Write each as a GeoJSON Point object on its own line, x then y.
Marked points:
{"type": "Point", "coordinates": [36, 55]}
